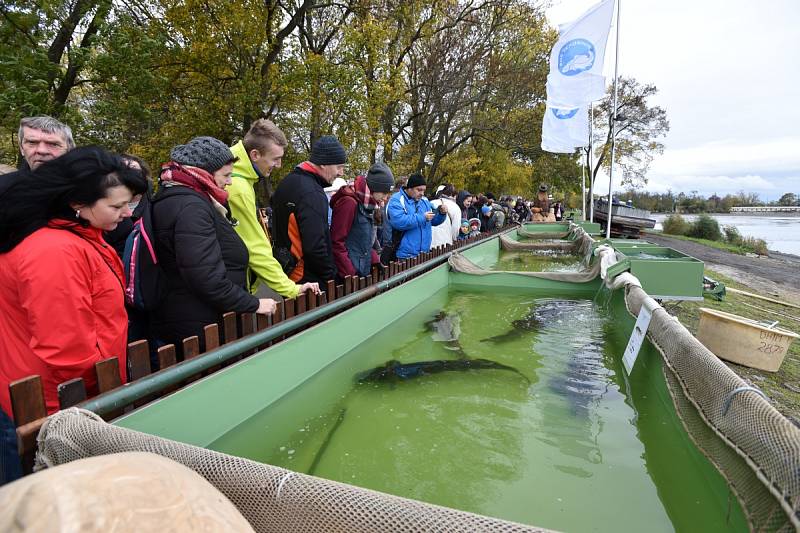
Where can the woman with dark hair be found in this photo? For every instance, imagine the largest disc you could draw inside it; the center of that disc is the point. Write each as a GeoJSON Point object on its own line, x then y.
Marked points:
{"type": "Point", "coordinates": [61, 298]}
{"type": "Point", "coordinates": [203, 258]}
{"type": "Point", "coordinates": [119, 235]}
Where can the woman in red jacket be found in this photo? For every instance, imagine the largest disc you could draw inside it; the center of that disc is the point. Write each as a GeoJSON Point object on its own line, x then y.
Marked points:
{"type": "Point", "coordinates": [61, 301]}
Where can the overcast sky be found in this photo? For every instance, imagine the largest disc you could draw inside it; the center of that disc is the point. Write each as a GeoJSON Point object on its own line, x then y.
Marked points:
{"type": "Point", "coordinates": [728, 74]}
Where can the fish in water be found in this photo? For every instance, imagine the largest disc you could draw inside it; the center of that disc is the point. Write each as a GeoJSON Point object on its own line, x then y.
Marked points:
{"type": "Point", "coordinates": [545, 312]}
{"type": "Point", "coordinates": [446, 328]}
{"type": "Point", "coordinates": [519, 328]}
{"type": "Point", "coordinates": [394, 370]}
{"type": "Point", "coordinates": [584, 380]}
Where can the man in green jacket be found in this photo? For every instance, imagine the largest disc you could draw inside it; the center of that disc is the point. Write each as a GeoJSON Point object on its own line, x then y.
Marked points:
{"type": "Point", "coordinates": [259, 152]}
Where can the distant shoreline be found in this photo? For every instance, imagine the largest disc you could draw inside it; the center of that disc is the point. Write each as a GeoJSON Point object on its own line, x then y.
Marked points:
{"type": "Point", "coordinates": [737, 214]}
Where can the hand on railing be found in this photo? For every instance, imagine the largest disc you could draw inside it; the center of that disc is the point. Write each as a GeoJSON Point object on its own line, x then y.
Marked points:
{"type": "Point", "coordinates": [266, 306]}
{"type": "Point", "coordinates": [314, 287]}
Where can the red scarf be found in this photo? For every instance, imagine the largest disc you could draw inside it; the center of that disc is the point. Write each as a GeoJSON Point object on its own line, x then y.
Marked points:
{"type": "Point", "coordinates": [362, 192]}
{"type": "Point", "coordinates": [195, 178]}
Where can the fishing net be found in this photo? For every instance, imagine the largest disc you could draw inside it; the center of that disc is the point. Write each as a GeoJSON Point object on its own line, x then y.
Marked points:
{"type": "Point", "coordinates": [581, 244]}
{"type": "Point", "coordinates": [269, 497]}
{"type": "Point", "coordinates": [753, 446]}
{"type": "Point", "coordinates": [577, 242]}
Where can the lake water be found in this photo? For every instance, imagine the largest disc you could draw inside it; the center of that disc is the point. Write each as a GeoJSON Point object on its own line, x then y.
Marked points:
{"type": "Point", "coordinates": [782, 232]}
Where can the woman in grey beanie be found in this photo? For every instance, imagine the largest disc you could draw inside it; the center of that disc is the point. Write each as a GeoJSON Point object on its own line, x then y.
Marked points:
{"type": "Point", "coordinates": [202, 257]}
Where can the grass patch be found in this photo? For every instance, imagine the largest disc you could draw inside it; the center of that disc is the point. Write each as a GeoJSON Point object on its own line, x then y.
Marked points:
{"type": "Point", "coordinates": [748, 245]}
{"type": "Point", "coordinates": [782, 387]}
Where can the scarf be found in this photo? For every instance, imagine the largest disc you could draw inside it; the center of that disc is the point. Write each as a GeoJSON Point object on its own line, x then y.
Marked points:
{"type": "Point", "coordinates": [362, 192]}
{"type": "Point", "coordinates": [195, 178]}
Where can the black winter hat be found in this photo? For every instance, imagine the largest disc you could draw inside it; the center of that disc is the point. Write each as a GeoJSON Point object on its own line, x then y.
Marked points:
{"type": "Point", "coordinates": [328, 151]}
{"type": "Point", "coordinates": [415, 180]}
{"type": "Point", "coordinates": [380, 178]}
{"type": "Point", "coordinates": [207, 153]}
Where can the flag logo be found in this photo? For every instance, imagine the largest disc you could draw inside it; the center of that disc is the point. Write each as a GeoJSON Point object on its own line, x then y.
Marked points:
{"type": "Point", "coordinates": [563, 114]}
{"type": "Point", "coordinates": [576, 56]}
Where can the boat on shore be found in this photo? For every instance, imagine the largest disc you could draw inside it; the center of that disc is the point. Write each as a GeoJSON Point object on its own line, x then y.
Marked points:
{"type": "Point", "coordinates": [626, 221]}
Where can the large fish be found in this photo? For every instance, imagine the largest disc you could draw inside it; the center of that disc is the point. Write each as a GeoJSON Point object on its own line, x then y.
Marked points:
{"type": "Point", "coordinates": [394, 370]}
{"type": "Point", "coordinates": [544, 313]}
{"type": "Point", "coordinates": [584, 380]}
{"type": "Point", "coordinates": [446, 328]}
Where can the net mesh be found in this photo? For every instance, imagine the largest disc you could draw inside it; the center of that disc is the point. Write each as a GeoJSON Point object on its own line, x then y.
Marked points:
{"type": "Point", "coordinates": [269, 497]}
{"type": "Point", "coordinates": [753, 446]}
{"type": "Point", "coordinates": [580, 244]}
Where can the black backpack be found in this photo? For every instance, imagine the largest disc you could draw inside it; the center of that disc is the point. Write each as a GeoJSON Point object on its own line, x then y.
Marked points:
{"type": "Point", "coordinates": [145, 280]}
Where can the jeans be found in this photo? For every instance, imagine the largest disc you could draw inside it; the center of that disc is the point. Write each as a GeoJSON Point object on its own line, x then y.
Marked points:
{"type": "Point", "coordinates": [10, 465]}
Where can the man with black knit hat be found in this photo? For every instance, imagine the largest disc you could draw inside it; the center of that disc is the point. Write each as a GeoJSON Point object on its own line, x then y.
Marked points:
{"type": "Point", "coordinates": [411, 213]}
{"type": "Point", "coordinates": [353, 223]}
{"type": "Point", "coordinates": [300, 214]}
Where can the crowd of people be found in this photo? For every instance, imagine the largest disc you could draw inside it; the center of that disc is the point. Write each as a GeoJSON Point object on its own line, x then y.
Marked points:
{"type": "Point", "coordinates": [68, 217]}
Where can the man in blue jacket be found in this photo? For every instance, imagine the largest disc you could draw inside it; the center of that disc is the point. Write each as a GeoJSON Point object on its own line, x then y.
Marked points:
{"type": "Point", "coordinates": [412, 214]}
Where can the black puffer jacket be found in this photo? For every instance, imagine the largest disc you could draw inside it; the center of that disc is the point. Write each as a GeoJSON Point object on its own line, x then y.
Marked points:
{"type": "Point", "coordinates": [302, 192]}
{"type": "Point", "coordinates": [205, 263]}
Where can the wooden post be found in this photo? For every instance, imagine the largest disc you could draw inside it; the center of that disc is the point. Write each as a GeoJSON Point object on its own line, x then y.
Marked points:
{"type": "Point", "coordinates": [166, 356]}
{"type": "Point", "coordinates": [191, 348]}
{"type": "Point", "coordinates": [211, 336]}
{"type": "Point", "coordinates": [331, 290]}
{"type": "Point", "coordinates": [138, 360]}
{"type": "Point", "coordinates": [71, 392]}
{"type": "Point", "coordinates": [230, 331]}
{"type": "Point", "coordinates": [29, 411]}
{"type": "Point", "coordinates": [107, 372]}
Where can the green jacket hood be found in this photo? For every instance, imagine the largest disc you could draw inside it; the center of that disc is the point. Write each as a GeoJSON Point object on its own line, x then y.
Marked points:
{"type": "Point", "coordinates": [243, 167]}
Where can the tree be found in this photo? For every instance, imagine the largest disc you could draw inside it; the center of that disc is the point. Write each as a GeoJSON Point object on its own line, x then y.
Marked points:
{"type": "Point", "coordinates": [788, 199]}
{"type": "Point", "coordinates": [638, 127]}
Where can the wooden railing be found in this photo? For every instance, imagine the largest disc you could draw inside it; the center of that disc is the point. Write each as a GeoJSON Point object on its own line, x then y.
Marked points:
{"type": "Point", "coordinates": [27, 394]}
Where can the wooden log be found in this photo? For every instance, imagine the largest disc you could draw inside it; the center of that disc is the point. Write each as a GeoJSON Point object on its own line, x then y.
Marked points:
{"type": "Point", "coordinates": [71, 392]}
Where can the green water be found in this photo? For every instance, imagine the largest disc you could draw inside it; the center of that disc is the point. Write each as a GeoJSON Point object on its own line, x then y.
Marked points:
{"type": "Point", "coordinates": [537, 261]}
{"type": "Point", "coordinates": [558, 438]}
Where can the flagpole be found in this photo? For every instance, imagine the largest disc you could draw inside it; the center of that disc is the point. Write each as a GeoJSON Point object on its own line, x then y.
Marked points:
{"type": "Point", "coordinates": [590, 162]}
{"type": "Point", "coordinates": [583, 193]}
{"type": "Point", "coordinates": [613, 129]}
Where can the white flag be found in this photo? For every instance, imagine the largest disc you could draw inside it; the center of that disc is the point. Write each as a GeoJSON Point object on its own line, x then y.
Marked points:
{"type": "Point", "coordinates": [563, 130]}
{"type": "Point", "coordinates": [576, 61]}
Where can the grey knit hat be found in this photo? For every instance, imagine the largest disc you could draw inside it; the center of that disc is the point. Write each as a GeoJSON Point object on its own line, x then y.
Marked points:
{"type": "Point", "coordinates": [207, 153]}
{"type": "Point", "coordinates": [327, 150]}
{"type": "Point", "coordinates": [380, 178]}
